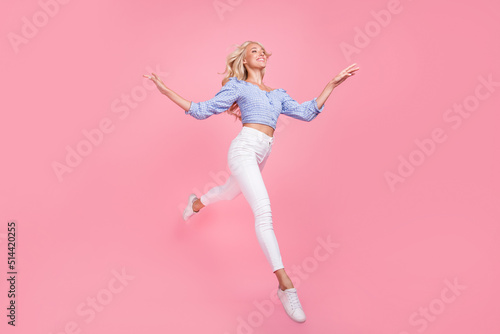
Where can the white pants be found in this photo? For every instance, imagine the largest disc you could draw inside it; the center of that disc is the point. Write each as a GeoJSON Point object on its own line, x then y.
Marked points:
{"type": "Point", "coordinates": [246, 158]}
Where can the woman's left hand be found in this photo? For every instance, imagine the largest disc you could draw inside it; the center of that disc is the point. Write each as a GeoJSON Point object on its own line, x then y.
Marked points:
{"type": "Point", "coordinates": [344, 74]}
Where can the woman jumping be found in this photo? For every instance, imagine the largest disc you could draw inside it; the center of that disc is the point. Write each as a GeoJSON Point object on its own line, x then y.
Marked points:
{"type": "Point", "coordinates": [245, 96]}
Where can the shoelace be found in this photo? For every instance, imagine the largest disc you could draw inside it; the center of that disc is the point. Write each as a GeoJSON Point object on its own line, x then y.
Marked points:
{"type": "Point", "coordinates": [294, 300]}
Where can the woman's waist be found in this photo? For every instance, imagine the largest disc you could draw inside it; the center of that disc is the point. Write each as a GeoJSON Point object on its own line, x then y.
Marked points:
{"type": "Point", "coordinates": [254, 134]}
{"type": "Point", "coordinates": [264, 128]}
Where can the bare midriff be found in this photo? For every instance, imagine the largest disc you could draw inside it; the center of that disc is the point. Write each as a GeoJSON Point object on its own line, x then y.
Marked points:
{"type": "Point", "coordinates": [268, 130]}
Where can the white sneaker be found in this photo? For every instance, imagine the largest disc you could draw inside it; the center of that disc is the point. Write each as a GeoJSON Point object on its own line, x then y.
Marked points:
{"type": "Point", "coordinates": [188, 211]}
{"type": "Point", "coordinates": [291, 303]}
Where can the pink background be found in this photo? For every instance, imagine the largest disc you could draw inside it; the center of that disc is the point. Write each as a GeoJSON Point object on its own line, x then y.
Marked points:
{"type": "Point", "coordinates": [397, 248]}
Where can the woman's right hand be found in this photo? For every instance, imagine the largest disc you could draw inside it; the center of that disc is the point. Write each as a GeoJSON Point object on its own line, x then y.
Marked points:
{"type": "Point", "coordinates": [180, 101]}
{"type": "Point", "coordinates": [161, 86]}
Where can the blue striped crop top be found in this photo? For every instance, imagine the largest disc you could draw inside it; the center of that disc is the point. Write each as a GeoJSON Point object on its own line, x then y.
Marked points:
{"type": "Point", "coordinates": [256, 105]}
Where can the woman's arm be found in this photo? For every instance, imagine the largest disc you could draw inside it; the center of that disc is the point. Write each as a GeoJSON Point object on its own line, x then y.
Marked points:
{"type": "Point", "coordinates": [306, 111]}
{"type": "Point", "coordinates": [341, 77]}
{"type": "Point", "coordinates": [176, 98]}
{"type": "Point", "coordinates": [221, 102]}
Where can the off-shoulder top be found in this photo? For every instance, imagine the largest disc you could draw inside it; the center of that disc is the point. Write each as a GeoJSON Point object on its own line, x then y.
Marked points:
{"type": "Point", "coordinates": [256, 105]}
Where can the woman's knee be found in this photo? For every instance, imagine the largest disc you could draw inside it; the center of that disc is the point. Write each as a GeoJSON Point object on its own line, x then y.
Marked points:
{"type": "Point", "coordinates": [262, 212]}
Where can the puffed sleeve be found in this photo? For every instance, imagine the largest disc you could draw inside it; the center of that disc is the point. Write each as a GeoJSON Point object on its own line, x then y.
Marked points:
{"type": "Point", "coordinates": [306, 111]}
{"type": "Point", "coordinates": [219, 103]}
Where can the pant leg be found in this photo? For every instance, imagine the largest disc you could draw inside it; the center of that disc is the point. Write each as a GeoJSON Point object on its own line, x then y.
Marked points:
{"type": "Point", "coordinates": [246, 159]}
{"type": "Point", "coordinates": [226, 192]}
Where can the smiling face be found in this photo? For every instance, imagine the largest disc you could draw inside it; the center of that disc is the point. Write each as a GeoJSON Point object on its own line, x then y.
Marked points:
{"type": "Point", "coordinates": [255, 56]}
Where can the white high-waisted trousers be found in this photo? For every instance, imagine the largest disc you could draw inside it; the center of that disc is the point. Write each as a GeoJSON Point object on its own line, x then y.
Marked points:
{"type": "Point", "coordinates": [246, 158]}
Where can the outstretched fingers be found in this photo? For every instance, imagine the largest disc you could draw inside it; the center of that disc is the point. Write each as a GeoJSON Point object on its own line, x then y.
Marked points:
{"type": "Point", "coordinates": [153, 76]}
{"type": "Point", "coordinates": [351, 70]}
{"type": "Point", "coordinates": [158, 82]}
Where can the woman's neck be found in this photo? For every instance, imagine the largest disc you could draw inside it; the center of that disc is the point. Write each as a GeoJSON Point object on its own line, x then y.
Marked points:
{"type": "Point", "coordinates": [255, 77]}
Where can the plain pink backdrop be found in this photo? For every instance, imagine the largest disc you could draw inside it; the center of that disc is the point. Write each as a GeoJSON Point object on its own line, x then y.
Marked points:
{"type": "Point", "coordinates": [397, 249]}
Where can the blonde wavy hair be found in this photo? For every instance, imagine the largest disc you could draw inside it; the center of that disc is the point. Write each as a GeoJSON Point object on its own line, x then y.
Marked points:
{"type": "Point", "coordinates": [235, 68]}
